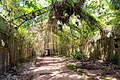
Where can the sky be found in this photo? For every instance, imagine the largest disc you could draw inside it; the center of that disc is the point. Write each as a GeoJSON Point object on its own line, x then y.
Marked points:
{"type": "Point", "coordinates": [1, 10]}
{"type": "Point", "coordinates": [42, 2]}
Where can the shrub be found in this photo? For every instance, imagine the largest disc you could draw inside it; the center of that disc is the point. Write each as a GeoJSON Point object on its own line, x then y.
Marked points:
{"type": "Point", "coordinates": [115, 59]}
{"type": "Point", "coordinates": [77, 55]}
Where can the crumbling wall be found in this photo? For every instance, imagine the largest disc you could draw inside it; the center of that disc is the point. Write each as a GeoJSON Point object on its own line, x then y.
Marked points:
{"type": "Point", "coordinates": [13, 50]}
{"type": "Point", "coordinates": [102, 49]}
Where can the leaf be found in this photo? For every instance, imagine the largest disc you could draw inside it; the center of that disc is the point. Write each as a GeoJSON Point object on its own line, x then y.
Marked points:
{"type": "Point", "coordinates": [0, 12]}
{"type": "Point", "coordinates": [28, 10]}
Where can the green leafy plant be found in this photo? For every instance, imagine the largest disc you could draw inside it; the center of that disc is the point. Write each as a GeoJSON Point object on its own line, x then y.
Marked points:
{"type": "Point", "coordinates": [115, 59]}
{"type": "Point", "coordinates": [77, 55]}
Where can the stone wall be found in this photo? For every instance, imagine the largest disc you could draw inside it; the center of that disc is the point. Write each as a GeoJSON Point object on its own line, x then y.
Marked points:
{"type": "Point", "coordinates": [102, 49]}
{"type": "Point", "coordinates": [12, 50]}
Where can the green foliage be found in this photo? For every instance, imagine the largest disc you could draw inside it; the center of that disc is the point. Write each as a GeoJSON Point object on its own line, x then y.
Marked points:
{"type": "Point", "coordinates": [80, 20]}
{"type": "Point", "coordinates": [49, 1]}
{"type": "Point", "coordinates": [23, 34]}
{"type": "Point", "coordinates": [31, 6]}
{"type": "Point", "coordinates": [115, 59]}
{"type": "Point", "coordinates": [104, 67]}
{"type": "Point", "coordinates": [77, 55]}
{"type": "Point", "coordinates": [114, 21]}
{"type": "Point", "coordinates": [108, 78]}
{"type": "Point", "coordinates": [118, 62]}
{"type": "Point", "coordinates": [115, 4]}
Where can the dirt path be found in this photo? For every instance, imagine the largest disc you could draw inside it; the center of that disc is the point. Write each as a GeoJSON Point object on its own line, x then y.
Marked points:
{"type": "Point", "coordinates": [46, 68]}
{"type": "Point", "coordinates": [53, 68]}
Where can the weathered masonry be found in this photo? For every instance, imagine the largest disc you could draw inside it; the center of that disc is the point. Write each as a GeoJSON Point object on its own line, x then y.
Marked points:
{"type": "Point", "coordinates": [12, 50]}
{"type": "Point", "coordinates": [105, 48]}
{"type": "Point", "coordinates": [3, 28]}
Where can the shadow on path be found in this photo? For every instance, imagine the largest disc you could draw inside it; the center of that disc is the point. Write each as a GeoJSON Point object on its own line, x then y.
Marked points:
{"type": "Point", "coordinates": [53, 68]}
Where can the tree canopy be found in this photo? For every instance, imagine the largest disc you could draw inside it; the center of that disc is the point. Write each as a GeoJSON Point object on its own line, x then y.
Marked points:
{"type": "Point", "coordinates": [72, 21]}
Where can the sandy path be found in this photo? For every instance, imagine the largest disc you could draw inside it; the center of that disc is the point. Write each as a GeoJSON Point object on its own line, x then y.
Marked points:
{"type": "Point", "coordinates": [53, 68]}
{"type": "Point", "coordinates": [46, 68]}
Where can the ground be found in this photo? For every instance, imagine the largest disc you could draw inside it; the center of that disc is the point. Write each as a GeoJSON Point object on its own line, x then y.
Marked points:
{"type": "Point", "coordinates": [46, 68]}
{"type": "Point", "coordinates": [61, 68]}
